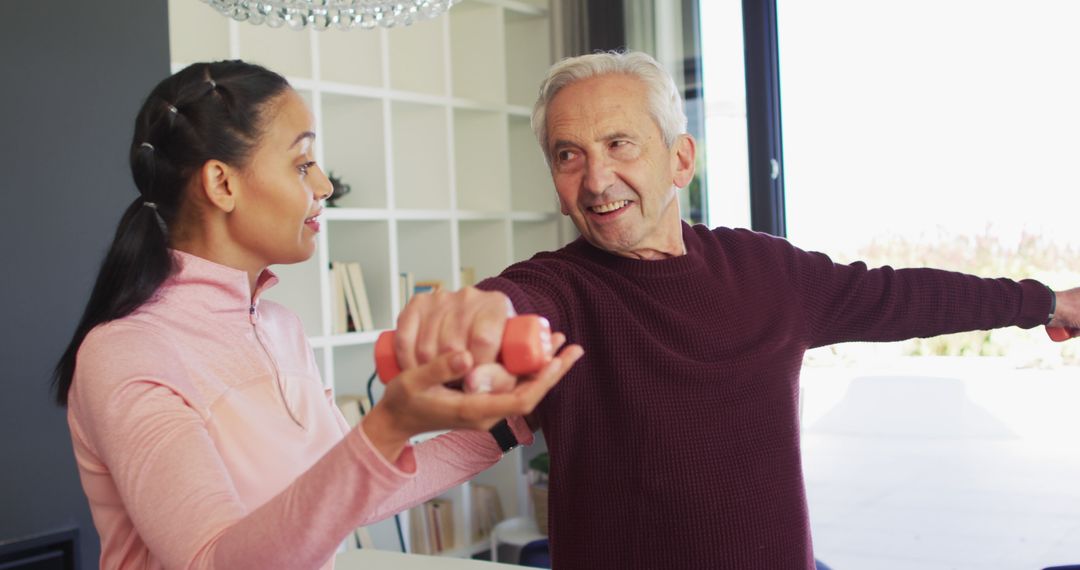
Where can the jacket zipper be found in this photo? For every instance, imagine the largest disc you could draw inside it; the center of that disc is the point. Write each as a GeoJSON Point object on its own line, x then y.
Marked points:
{"type": "Point", "coordinates": [253, 317]}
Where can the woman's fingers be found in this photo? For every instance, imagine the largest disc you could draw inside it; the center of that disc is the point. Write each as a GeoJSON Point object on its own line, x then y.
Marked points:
{"type": "Point", "coordinates": [536, 387]}
{"type": "Point", "coordinates": [488, 378]}
{"type": "Point", "coordinates": [491, 377]}
{"type": "Point", "coordinates": [418, 399]}
{"type": "Point", "coordinates": [411, 403]}
{"type": "Point", "coordinates": [489, 408]}
{"type": "Point", "coordinates": [557, 340]}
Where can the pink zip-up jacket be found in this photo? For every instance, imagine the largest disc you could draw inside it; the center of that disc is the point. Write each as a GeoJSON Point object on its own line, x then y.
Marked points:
{"type": "Point", "coordinates": [205, 438]}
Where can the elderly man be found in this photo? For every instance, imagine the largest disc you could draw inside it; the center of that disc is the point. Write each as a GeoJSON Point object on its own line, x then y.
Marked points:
{"type": "Point", "coordinates": [675, 441]}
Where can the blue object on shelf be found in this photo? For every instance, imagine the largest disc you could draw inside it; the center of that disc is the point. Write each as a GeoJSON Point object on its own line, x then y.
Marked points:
{"type": "Point", "coordinates": [535, 554]}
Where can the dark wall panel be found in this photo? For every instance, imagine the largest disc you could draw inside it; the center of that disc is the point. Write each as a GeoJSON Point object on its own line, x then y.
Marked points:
{"type": "Point", "coordinates": [74, 74]}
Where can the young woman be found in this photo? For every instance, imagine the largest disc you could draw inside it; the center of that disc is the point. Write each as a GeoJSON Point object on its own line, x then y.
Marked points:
{"type": "Point", "coordinates": [203, 435]}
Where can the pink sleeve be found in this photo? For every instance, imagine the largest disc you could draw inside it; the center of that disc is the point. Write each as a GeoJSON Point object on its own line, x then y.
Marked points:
{"type": "Point", "coordinates": [178, 494]}
{"type": "Point", "coordinates": [456, 457]}
{"type": "Point", "coordinates": [447, 461]}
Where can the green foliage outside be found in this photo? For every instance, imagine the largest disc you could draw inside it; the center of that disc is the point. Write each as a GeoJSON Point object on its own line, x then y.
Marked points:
{"type": "Point", "coordinates": [541, 463]}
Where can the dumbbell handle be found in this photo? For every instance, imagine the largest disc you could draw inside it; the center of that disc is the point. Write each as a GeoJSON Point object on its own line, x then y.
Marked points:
{"type": "Point", "coordinates": [526, 348]}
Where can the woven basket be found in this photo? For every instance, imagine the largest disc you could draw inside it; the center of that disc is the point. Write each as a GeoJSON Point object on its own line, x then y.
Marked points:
{"type": "Point", "coordinates": [539, 495]}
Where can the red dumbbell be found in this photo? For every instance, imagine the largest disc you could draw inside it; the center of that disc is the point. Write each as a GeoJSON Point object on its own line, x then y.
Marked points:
{"type": "Point", "coordinates": [1059, 334]}
{"type": "Point", "coordinates": [526, 348]}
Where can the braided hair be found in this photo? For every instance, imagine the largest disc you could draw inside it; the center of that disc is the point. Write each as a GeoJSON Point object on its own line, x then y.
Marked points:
{"type": "Point", "coordinates": [206, 111]}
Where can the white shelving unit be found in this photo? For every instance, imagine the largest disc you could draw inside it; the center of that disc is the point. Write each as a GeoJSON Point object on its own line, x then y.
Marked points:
{"type": "Point", "coordinates": [429, 124]}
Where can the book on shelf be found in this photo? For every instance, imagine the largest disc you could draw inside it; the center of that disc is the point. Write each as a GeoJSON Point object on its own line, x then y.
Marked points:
{"type": "Point", "coordinates": [431, 527]}
{"type": "Point", "coordinates": [442, 515]}
{"type": "Point", "coordinates": [341, 313]}
{"type": "Point", "coordinates": [418, 534]}
{"type": "Point", "coordinates": [351, 305]}
{"type": "Point", "coordinates": [363, 538]}
{"type": "Point", "coordinates": [406, 285]}
{"type": "Point", "coordinates": [468, 276]}
{"type": "Point", "coordinates": [356, 279]}
{"type": "Point", "coordinates": [487, 510]}
{"type": "Point", "coordinates": [429, 286]}
{"type": "Point", "coordinates": [353, 407]}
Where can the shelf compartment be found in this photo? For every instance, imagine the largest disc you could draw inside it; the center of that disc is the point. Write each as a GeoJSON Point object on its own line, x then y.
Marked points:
{"type": "Point", "coordinates": [283, 50]}
{"type": "Point", "coordinates": [528, 56]}
{"type": "Point", "coordinates": [212, 41]}
{"type": "Point", "coordinates": [352, 57]}
{"type": "Point", "coordinates": [298, 289]}
{"type": "Point", "coordinates": [481, 170]}
{"type": "Point", "coordinates": [367, 243]}
{"type": "Point", "coordinates": [485, 247]}
{"type": "Point", "coordinates": [425, 250]}
{"type": "Point", "coordinates": [420, 156]}
{"type": "Point", "coordinates": [353, 366]}
{"type": "Point", "coordinates": [532, 237]}
{"type": "Point", "coordinates": [531, 188]}
{"type": "Point", "coordinates": [353, 133]}
{"type": "Point", "coordinates": [417, 61]}
{"type": "Point", "coordinates": [506, 476]}
{"type": "Point", "coordinates": [477, 58]}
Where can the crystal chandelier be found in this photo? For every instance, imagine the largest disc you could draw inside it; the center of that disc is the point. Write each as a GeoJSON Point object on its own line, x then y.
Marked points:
{"type": "Point", "coordinates": [327, 14]}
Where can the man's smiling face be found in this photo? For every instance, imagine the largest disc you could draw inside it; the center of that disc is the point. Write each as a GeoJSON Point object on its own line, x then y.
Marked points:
{"type": "Point", "coordinates": [615, 176]}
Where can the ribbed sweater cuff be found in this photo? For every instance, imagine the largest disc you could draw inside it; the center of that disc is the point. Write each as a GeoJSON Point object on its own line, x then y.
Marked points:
{"type": "Point", "coordinates": [1035, 301]}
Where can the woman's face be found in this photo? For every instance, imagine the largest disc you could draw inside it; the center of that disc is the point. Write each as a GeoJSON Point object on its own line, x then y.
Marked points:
{"type": "Point", "coordinates": [275, 220]}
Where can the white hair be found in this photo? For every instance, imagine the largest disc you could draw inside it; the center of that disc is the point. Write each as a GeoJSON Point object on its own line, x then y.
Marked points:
{"type": "Point", "coordinates": [664, 101]}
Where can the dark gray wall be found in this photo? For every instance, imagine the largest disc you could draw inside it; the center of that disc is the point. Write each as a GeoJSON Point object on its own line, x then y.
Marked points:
{"type": "Point", "coordinates": [73, 76]}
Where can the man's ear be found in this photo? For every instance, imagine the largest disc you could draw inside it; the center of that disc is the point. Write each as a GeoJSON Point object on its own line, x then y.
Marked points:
{"type": "Point", "coordinates": [562, 205]}
{"type": "Point", "coordinates": [683, 154]}
{"type": "Point", "coordinates": [219, 183]}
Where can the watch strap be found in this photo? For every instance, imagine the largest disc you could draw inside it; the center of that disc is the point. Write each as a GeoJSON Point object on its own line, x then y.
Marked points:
{"type": "Point", "coordinates": [1053, 304]}
{"type": "Point", "coordinates": [504, 436]}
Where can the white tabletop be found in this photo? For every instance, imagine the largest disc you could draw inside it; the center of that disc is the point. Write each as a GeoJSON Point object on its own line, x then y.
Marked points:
{"type": "Point", "coordinates": [367, 559]}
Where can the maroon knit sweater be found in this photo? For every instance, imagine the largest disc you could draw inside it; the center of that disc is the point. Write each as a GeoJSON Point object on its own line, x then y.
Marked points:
{"type": "Point", "coordinates": [675, 440]}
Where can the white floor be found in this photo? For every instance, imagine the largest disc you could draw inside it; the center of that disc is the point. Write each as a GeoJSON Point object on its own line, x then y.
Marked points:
{"type": "Point", "coordinates": [943, 464]}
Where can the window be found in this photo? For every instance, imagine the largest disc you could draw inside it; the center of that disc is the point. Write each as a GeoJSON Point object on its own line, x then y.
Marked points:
{"type": "Point", "coordinates": [938, 133]}
{"type": "Point", "coordinates": [669, 32]}
{"type": "Point", "coordinates": [724, 102]}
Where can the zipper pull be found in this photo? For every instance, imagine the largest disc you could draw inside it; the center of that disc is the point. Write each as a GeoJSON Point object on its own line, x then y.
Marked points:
{"type": "Point", "coordinates": [252, 316]}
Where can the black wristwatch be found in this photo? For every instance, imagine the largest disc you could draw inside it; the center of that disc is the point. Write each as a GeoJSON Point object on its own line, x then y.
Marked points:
{"type": "Point", "coordinates": [504, 436]}
{"type": "Point", "coordinates": [1053, 304]}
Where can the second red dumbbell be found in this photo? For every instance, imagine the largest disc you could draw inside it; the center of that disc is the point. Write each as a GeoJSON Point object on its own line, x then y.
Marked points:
{"type": "Point", "coordinates": [526, 348]}
{"type": "Point", "coordinates": [1059, 334]}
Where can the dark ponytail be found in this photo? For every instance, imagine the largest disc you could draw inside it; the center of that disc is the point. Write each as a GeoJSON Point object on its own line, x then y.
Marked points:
{"type": "Point", "coordinates": [204, 112]}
